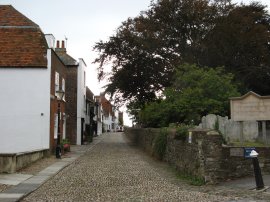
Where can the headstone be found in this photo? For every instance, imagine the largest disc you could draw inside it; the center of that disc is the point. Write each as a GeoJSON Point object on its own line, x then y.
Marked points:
{"type": "Point", "coordinates": [211, 120]}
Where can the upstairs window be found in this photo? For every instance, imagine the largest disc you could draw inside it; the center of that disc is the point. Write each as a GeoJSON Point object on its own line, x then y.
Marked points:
{"type": "Point", "coordinates": [64, 87]}
{"type": "Point", "coordinates": [63, 84]}
{"type": "Point", "coordinates": [56, 82]}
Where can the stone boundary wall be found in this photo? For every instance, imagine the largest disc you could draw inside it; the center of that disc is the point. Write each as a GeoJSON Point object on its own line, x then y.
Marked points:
{"type": "Point", "coordinates": [204, 157]}
{"type": "Point", "coordinates": [10, 163]}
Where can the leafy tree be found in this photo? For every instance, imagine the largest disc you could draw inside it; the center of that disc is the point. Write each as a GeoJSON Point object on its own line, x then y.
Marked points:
{"type": "Point", "coordinates": [145, 49]}
{"type": "Point", "coordinates": [240, 42]}
{"type": "Point", "coordinates": [195, 92]}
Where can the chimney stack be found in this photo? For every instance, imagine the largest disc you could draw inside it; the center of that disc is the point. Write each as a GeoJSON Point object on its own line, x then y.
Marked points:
{"type": "Point", "coordinates": [50, 40]}
{"type": "Point", "coordinates": [57, 44]}
{"type": "Point", "coordinates": [63, 44]}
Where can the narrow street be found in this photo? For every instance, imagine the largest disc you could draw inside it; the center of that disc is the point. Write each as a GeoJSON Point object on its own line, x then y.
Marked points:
{"type": "Point", "coordinates": [115, 171]}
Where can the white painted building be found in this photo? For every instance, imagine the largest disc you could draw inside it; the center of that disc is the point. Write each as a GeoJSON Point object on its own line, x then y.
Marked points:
{"type": "Point", "coordinates": [25, 72]}
{"type": "Point", "coordinates": [108, 122]}
{"type": "Point", "coordinates": [99, 116]}
{"type": "Point", "coordinates": [25, 109]}
{"type": "Point", "coordinates": [81, 101]}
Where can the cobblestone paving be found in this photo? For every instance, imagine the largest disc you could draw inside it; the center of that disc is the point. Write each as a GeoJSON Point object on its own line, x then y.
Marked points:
{"type": "Point", "coordinates": [114, 171]}
{"type": "Point", "coordinates": [4, 187]}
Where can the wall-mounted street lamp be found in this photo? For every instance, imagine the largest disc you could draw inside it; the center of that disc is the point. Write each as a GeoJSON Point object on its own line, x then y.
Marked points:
{"type": "Point", "coordinates": [60, 96]}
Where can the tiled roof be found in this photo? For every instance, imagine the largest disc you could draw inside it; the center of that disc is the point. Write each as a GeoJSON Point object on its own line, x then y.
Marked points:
{"type": "Point", "coordinates": [9, 16]}
{"type": "Point", "coordinates": [22, 43]}
{"type": "Point", "coordinates": [66, 59]}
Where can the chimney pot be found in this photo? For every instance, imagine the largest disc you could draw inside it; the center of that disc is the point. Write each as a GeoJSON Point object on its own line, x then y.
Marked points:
{"type": "Point", "coordinates": [57, 44]}
{"type": "Point", "coordinates": [63, 44]}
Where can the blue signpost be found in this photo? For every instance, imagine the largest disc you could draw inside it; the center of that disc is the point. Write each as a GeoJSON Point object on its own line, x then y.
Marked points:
{"type": "Point", "coordinates": [247, 151]}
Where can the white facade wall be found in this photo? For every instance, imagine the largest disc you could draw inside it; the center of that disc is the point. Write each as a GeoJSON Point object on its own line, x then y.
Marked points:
{"type": "Point", "coordinates": [98, 117]}
{"type": "Point", "coordinates": [108, 122]}
{"type": "Point", "coordinates": [25, 109]}
{"type": "Point", "coordinates": [99, 128]}
{"type": "Point", "coordinates": [81, 98]}
{"type": "Point", "coordinates": [116, 121]}
{"type": "Point", "coordinates": [87, 116]}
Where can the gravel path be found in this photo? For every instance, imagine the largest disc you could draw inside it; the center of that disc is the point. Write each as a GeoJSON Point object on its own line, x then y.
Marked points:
{"type": "Point", "coordinates": [114, 171]}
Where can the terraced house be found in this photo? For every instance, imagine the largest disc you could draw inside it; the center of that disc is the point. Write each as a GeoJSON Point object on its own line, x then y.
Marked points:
{"type": "Point", "coordinates": [31, 78]}
{"type": "Point", "coordinates": [75, 95]}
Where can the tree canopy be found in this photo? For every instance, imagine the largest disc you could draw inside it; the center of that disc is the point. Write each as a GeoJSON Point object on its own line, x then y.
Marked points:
{"type": "Point", "coordinates": [241, 43]}
{"type": "Point", "coordinates": [145, 50]}
{"type": "Point", "coordinates": [195, 92]}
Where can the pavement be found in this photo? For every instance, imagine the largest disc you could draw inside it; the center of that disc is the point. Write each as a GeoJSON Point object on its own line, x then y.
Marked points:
{"type": "Point", "coordinates": [247, 183]}
{"type": "Point", "coordinates": [23, 185]}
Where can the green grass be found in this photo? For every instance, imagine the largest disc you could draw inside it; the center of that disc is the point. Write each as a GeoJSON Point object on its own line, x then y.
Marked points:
{"type": "Point", "coordinates": [192, 180]}
{"type": "Point", "coordinates": [189, 179]}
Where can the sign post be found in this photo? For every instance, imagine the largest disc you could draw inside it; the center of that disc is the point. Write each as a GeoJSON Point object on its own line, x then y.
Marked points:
{"type": "Point", "coordinates": [257, 170]}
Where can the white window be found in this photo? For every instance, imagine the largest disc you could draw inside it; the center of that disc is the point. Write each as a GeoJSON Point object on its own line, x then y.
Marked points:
{"type": "Point", "coordinates": [56, 82]}
{"type": "Point", "coordinates": [55, 125]}
{"type": "Point", "coordinates": [64, 87]}
{"type": "Point", "coordinates": [63, 84]}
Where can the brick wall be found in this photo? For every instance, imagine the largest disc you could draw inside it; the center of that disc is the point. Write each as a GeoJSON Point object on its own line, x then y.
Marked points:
{"type": "Point", "coordinates": [57, 66]}
{"type": "Point", "coordinates": [71, 100]}
{"type": "Point", "coordinates": [204, 157]}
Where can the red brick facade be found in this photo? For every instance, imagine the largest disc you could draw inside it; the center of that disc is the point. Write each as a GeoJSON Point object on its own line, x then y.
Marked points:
{"type": "Point", "coordinates": [57, 66]}
{"type": "Point", "coordinates": [71, 97]}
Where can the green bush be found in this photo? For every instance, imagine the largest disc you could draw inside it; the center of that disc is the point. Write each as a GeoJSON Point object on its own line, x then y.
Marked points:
{"type": "Point", "coordinates": [181, 132]}
{"type": "Point", "coordinates": [160, 143]}
{"type": "Point", "coordinates": [65, 141]}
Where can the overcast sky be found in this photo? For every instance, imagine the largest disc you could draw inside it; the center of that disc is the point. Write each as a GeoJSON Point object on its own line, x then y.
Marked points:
{"type": "Point", "coordinates": [83, 22]}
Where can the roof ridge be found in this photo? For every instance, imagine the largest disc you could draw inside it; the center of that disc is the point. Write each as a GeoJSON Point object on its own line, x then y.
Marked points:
{"type": "Point", "coordinates": [9, 16]}
{"type": "Point", "coordinates": [18, 27]}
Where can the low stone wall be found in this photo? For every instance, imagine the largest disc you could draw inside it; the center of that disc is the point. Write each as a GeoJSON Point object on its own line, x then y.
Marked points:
{"type": "Point", "coordinates": [10, 163]}
{"type": "Point", "coordinates": [202, 154]}
{"type": "Point", "coordinates": [234, 166]}
{"type": "Point", "coordinates": [7, 163]}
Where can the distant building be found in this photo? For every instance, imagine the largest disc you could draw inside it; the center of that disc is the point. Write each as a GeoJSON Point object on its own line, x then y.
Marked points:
{"type": "Point", "coordinates": [98, 116]}
{"type": "Point", "coordinates": [107, 118]}
{"type": "Point", "coordinates": [89, 122]}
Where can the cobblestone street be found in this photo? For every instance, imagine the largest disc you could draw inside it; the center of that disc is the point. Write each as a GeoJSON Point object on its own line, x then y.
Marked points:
{"type": "Point", "coordinates": [115, 171]}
